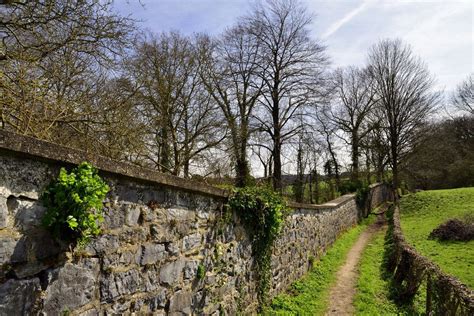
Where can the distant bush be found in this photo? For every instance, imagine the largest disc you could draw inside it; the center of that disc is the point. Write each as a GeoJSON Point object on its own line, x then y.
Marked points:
{"type": "Point", "coordinates": [453, 229]}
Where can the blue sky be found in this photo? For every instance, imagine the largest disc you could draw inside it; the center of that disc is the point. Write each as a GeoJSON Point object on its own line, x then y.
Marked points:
{"type": "Point", "coordinates": [441, 32]}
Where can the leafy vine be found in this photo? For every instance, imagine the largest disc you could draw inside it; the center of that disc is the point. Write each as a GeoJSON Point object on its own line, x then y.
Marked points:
{"type": "Point", "coordinates": [262, 212]}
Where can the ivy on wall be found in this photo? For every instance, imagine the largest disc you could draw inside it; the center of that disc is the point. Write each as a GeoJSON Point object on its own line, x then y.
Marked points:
{"type": "Point", "coordinates": [73, 204]}
{"type": "Point", "coordinates": [262, 212]}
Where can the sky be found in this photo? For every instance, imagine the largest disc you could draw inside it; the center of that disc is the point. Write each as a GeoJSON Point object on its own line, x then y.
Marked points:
{"type": "Point", "coordinates": [441, 32]}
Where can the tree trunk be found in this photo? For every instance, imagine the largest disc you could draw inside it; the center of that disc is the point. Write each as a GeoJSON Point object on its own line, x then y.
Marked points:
{"type": "Point", "coordinates": [394, 153]}
{"type": "Point", "coordinates": [277, 185]}
{"type": "Point", "coordinates": [355, 157]}
{"type": "Point", "coordinates": [242, 171]}
{"type": "Point", "coordinates": [316, 187]}
{"type": "Point", "coordinates": [165, 153]}
{"type": "Point", "coordinates": [298, 188]}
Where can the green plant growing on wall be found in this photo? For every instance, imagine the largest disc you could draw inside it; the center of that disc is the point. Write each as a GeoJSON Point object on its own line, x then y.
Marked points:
{"type": "Point", "coordinates": [201, 272]}
{"type": "Point", "coordinates": [262, 212]}
{"type": "Point", "coordinates": [362, 194]}
{"type": "Point", "coordinates": [74, 204]}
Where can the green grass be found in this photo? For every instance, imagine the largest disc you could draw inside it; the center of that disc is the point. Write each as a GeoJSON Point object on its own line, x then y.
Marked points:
{"type": "Point", "coordinates": [374, 284]}
{"type": "Point", "coordinates": [309, 296]}
{"type": "Point", "coordinates": [372, 287]}
{"type": "Point", "coordinates": [424, 211]}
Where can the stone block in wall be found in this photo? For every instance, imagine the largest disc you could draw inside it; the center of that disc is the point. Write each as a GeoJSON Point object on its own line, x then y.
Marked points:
{"type": "Point", "coordinates": [172, 248]}
{"type": "Point", "coordinates": [7, 249]}
{"type": "Point", "coordinates": [157, 301]}
{"type": "Point", "coordinates": [114, 216]}
{"type": "Point", "coordinates": [72, 286]}
{"type": "Point", "coordinates": [23, 177]}
{"type": "Point", "coordinates": [27, 255]}
{"type": "Point", "coordinates": [152, 253]}
{"type": "Point", "coordinates": [3, 212]}
{"type": "Point", "coordinates": [180, 214]}
{"type": "Point", "coordinates": [192, 241]}
{"type": "Point", "coordinates": [171, 273]}
{"type": "Point", "coordinates": [180, 303]}
{"type": "Point", "coordinates": [103, 244]}
{"type": "Point", "coordinates": [122, 258]}
{"type": "Point", "coordinates": [27, 213]}
{"type": "Point", "coordinates": [190, 269]}
{"type": "Point", "coordinates": [151, 279]}
{"type": "Point", "coordinates": [132, 214]}
{"type": "Point", "coordinates": [117, 284]}
{"type": "Point", "coordinates": [18, 297]}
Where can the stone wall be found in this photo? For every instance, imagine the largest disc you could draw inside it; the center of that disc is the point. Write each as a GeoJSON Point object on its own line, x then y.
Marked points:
{"type": "Point", "coordinates": [159, 231]}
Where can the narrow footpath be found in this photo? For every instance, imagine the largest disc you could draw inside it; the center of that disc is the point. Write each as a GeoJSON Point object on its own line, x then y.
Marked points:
{"type": "Point", "coordinates": [343, 292]}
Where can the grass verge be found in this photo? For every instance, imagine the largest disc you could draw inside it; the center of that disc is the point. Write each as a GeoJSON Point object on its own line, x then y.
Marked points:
{"type": "Point", "coordinates": [309, 295]}
{"type": "Point", "coordinates": [373, 288]}
{"type": "Point", "coordinates": [424, 211]}
{"type": "Point", "coordinates": [375, 294]}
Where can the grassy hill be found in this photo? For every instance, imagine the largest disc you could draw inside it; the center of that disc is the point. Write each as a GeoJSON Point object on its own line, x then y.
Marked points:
{"type": "Point", "coordinates": [424, 211]}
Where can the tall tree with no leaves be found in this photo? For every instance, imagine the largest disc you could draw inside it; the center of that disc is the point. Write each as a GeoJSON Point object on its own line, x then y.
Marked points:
{"type": "Point", "coordinates": [405, 99]}
{"type": "Point", "coordinates": [230, 77]}
{"type": "Point", "coordinates": [463, 97]}
{"type": "Point", "coordinates": [354, 100]}
{"type": "Point", "coordinates": [291, 67]}
{"type": "Point", "coordinates": [179, 113]}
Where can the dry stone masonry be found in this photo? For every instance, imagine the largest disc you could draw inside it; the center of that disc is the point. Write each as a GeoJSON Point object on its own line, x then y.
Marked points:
{"type": "Point", "coordinates": [169, 246]}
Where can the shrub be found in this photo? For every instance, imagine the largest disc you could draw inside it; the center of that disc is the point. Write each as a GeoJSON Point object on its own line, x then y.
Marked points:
{"type": "Point", "coordinates": [262, 212]}
{"type": "Point", "coordinates": [74, 204]}
{"type": "Point", "coordinates": [350, 186]}
{"type": "Point", "coordinates": [362, 194]}
{"type": "Point", "coordinates": [453, 229]}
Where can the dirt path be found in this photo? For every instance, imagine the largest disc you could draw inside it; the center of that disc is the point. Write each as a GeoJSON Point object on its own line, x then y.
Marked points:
{"type": "Point", "coordinates": [342, 293]}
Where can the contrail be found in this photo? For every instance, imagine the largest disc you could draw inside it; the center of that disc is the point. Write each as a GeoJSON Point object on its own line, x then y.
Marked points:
{"type": "Point", "coordinates": [338, 24]}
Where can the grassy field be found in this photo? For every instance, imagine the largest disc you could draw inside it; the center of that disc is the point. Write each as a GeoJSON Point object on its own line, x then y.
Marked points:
{"type": "Point", "coordinates": [309, 296]}
{"type": "Point", "coordinates": [424, 211]}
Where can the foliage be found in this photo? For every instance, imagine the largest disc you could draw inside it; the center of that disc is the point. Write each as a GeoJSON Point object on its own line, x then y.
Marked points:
{"type": "Point", "coordinates": [201, 272]}
{"type": "Point", "coordinates": [422, 212]}
{"type": "Point", "coordinates": [362, 194]}
{"type": "Point", "coordinates": [74, 204]}
{"type": "Point", "coordinates": [262, 212]}
{"type": "Point", "coordinates": [444, 157]}
{"type": "Point", "coordinates": [360, 188]}
{"type": "Point", "coordinates": [350, 186]}
{"type": "Point", "coordinates": [309, 296]}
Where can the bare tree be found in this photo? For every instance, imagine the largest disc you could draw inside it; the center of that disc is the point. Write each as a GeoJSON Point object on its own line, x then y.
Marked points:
{"type": "Point", "coordinates": [291, 67]}
{"type": "Point", "coordinates": [56, 61]}
{"type": "Point", "coordinates": [230, 77]}
{"type": "Point", "coordinates": [33, 30]}
{"type": "Point", "coordinates": [179, 113]}
{"type": "Point", "coordinates": [376, 149]}
{"type": "Point", "coordinates": [463, 97]}
{"type": "Point", "coordinates": [328, 131]}
{"type": "Point", "coordinates": [354, 100]}
{"type": "Point", "coordinates": [405, 98]}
